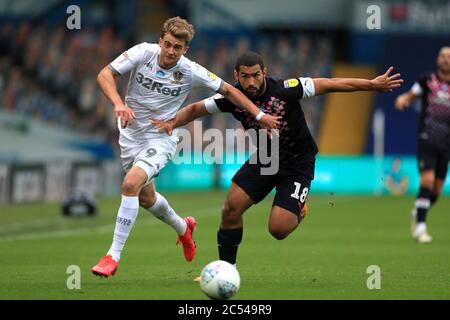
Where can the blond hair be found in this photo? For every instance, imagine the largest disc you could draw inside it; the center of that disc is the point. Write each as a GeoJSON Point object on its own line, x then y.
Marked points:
{"type": "Point", "coordinates": [179, 28]}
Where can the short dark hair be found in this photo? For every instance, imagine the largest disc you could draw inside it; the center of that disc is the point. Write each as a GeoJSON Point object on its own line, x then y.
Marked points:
{"type": "Point", "coordinates": [249, 59]}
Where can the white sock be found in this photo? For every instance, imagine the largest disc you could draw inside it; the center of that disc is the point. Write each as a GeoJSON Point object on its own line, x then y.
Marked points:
{"type": "Point", "coordinates": [421, 228]}
{"type": "Point", "coordinates": [162, 210]}
{"type": "Point", "coordinates": [126, 217]}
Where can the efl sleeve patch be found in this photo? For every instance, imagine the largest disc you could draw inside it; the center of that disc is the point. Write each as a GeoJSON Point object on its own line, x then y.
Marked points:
{"type": "Point", "coordinates": [212, 75]}
{"type": "Point", "coordinates": [291, 83]}
{"type": "Point", "coordinates": [204, 78]}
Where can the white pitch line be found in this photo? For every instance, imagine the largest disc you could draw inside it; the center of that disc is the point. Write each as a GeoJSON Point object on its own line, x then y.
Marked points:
{"type": "Point", "coordinates": [98, 229]}
{"type": "Point", "coordinates": [17, 226]}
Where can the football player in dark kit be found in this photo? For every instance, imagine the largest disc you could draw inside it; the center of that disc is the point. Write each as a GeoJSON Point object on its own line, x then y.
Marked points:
{"type": "Point", "coordinates": [433, 139]}
{"type": "Point", "coordinates": [297, 149]}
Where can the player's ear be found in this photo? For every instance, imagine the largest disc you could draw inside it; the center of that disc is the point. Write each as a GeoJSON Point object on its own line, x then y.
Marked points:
{"type": "Point", "coordinates": [264, 71]}
{"type": "Point", "coordinates": [186, 48]}
{"type": "Point", "coordinates": [236, 76]}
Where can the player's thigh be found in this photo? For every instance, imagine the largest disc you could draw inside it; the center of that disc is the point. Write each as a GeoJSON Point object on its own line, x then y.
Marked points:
{"type": "Point", "coordinates": [291, 194]}
{"type": "Point", "coordinates": [248, 187]}
{"type": "Point", "coordinates": [155, 155]}
{"type": "Point", "coordinates": [129, 149]}
{"type": "Point", "coordinates": [133, 182]}
{"type": "Point", "coordinates": [248, 180]}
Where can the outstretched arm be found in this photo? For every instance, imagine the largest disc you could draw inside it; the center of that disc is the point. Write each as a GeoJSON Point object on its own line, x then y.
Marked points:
{"type": "Point", "coordinates": [404, 100]}
{"type": "Point", "coordinates": [184, 116]}
{"type": "Point", "coordinates": [197, 109]}
{"type": "Point", "coordinates": [383, 83]}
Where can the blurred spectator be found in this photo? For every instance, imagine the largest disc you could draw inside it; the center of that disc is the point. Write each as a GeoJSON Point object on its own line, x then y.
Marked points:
{"type": "Point", "coordinates": [396, 181]}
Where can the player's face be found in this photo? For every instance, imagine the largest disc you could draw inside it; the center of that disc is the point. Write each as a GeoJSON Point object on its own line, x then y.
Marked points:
{"type": "Point", "coordinates": [443, 60]}
{"type": "Point", "coordinates": [171, 50]}
{"type": "Point", "coordinates": [252, 80]}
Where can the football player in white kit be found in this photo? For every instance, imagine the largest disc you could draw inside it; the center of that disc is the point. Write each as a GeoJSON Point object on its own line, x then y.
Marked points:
{"type": "Point", "coordinates": [160, 80]}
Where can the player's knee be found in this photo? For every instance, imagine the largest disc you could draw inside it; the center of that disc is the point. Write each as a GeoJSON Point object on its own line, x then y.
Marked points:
{"type": "Point", "coordinates": [131, 187]}
{"type": "Point", "coordinates": [230, 213]}
{"type": "Point", "coordinates": [427, 179]}
{"type": "Point", "coordinates": [278, 233]}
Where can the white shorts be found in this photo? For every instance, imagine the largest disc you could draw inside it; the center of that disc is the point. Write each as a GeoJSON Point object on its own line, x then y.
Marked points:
{"type": "Point", "coordinates": [151, 155]}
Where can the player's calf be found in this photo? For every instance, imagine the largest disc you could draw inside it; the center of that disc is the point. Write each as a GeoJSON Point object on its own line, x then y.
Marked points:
{"type": "Point", "coordinates": [146, 200]}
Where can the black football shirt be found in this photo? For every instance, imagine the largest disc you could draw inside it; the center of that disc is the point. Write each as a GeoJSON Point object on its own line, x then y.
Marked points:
{"type": "Point", "coordinates": [281, 98]}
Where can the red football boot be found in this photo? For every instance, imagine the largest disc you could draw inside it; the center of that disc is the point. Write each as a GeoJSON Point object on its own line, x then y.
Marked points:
{"type": "Point", "coordinates": [189, 246]}
{"type": "Point", "coordinates": [106, 267]}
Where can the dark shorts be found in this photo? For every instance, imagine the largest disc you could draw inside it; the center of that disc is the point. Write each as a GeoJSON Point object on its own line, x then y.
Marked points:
{"type": "Point", "coordinates": [291, 185]}
{"type": "Point", "coordinates": [429, 157]}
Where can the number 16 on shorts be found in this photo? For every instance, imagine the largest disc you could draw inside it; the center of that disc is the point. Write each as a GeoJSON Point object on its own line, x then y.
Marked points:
{"type": "Point", "coordinates": [297, 195]}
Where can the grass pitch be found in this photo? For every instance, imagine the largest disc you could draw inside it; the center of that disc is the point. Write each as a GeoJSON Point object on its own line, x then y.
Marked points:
{"type": "Point", "coordinates": [327, 257]}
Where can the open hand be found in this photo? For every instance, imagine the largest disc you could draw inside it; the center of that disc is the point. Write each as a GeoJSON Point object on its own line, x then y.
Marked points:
{"type": "Point", "coordinates": [269, 122]}
{"type": "Point", "coordinates": [162, 125]}
{"type": "Point", "coordinates": [125, 114]}
{"type": "Point", "coordinates": [386, 83]}
{"type": "Point", "coordinates": [401, 102]}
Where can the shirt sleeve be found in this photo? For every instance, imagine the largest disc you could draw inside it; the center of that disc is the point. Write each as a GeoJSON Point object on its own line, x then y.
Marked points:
{"type": "Point", "coordinates": [218, 103]}
{"type": "Point", "coordinates": [210, 104]}
{"type": "Point", "coordinates": [201, 77]}
{"type": "Point", "coordinates": [129, 59]}
{"type": "Point", "coordinates": [309, 90]}
{"type": "Point", "coordinates": [419, 86]}
{"type": "Point", "coordinates": [416, 89]}
{"type": "Point", "coordinates": [300, 88]}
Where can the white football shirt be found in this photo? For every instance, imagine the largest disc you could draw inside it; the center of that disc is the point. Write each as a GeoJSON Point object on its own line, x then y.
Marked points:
{"type": "Point", "coordinates": [154, 92]}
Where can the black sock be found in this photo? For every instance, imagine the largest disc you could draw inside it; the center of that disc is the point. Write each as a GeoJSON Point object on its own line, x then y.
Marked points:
{"type": "Point", "coordinates": [433, 199]}
{"type": "Point", "coordinates": [228, 241]}
{"type": "Point", "coordinates": [423, 203]}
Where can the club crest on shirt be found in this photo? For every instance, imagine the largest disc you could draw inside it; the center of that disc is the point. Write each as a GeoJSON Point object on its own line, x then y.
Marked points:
{"type": "Point", "coordinates": [290, 83]}
{"type": "Point", "coordinates": [177, 76]}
